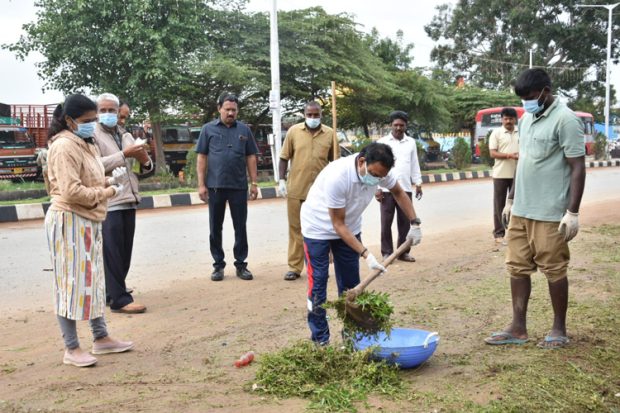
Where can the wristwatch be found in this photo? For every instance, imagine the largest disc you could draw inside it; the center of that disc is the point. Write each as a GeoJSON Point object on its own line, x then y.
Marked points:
{"type": "Point", "coordinates": [416, 221]}
{"type": "Point", "coordinates": [254, 183]}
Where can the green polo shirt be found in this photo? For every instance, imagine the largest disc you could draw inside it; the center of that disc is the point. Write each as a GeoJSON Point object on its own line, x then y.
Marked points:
{"type": "Point", "coordinates": [543, 175]}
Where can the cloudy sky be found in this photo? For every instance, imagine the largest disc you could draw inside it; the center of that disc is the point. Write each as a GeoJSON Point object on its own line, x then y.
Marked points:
{"type": "Point", "coordinates": [20, 83]}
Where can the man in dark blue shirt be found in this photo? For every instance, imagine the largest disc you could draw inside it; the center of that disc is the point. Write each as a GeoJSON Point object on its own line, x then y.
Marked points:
{"type": "Point", "coordinates": [226, 149]}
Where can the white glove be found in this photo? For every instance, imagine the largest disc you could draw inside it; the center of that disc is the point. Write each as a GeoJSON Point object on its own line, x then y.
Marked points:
{"type": "Point", "coordinates": [507, 212]}
{"type": "Point", "coordinates": [373, 264]}
{"type": "Point", "coordinates": [117, 188]}
{"type": "Point", "coordinates": [415, 234]}
{"type": "Point", "coordinates": [282, 187]}
{"type": "Point", "coordinates": [569, 225]}
{"type": "Point", "coordinates": [119, 176]}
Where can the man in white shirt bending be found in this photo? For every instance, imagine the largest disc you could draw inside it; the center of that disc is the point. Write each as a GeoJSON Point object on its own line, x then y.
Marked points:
{"type": "Point", "coordinates": [331, 220]}
{"type": "Point", "coordinates": [406, 171]}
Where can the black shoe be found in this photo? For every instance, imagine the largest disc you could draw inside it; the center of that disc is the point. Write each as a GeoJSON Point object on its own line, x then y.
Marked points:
{"type": "Point", "coordinates": [217, 274]}
{"type": "Point", "coordinates": [291, 276]}
{"type": "Point", "coordinates": [406, 257]}
{"type": "Point", "coordinates": [244, 274]}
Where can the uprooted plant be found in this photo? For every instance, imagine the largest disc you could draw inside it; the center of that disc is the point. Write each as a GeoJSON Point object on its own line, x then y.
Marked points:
{"type": "Point", "coordinates": [332, 378]}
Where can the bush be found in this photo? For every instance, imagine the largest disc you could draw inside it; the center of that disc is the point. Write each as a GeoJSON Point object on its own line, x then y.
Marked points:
{"type": "Point", "coordinates": [461, 154]}
{"type": "Point", "coordinates": [190, 168]}
{"type": "Point", "coordinates": [600, 146]}
{"type": "Point", "coordinates": [421, 155]}
{"type": "Point", "coordinates": [485, 153]}
{"type": "Point", "coordinates": [360, 143]}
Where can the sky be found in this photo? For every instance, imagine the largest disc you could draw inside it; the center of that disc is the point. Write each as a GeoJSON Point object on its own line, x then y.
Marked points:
{"type": "Point", "coordinates": [20, 83]}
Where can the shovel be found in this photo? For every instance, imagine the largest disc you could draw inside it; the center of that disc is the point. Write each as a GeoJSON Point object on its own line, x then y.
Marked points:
{"type": "Point", "coordinates": [357, 314]}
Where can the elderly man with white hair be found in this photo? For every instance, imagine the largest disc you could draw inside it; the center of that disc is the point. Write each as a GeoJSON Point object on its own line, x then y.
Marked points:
{"type": "Point", "coordinates": [119, 149]}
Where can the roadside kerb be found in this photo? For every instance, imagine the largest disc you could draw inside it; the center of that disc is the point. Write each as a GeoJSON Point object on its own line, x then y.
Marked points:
{"type": "Point", "coordinates": [20, 212]}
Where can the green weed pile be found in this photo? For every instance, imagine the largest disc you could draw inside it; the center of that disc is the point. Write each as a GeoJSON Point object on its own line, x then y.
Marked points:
{"type": "Point", "coordinates": [378, 305]}
{"type": "Point", "coordinates": [332, 378]}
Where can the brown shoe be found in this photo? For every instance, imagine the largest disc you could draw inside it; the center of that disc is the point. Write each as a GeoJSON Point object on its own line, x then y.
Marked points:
{"type": "Point", "coordinates": [131, 308]}
{"type": "Point", "coordinates": [406, 257]}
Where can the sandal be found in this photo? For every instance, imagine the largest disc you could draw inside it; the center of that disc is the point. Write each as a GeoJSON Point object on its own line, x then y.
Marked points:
{"type": "Point", "coordinates": [551, 342]}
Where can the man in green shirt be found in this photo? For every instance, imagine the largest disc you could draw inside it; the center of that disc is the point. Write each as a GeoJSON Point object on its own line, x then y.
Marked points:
{"type": "Point", "coordinates": [542, 209]}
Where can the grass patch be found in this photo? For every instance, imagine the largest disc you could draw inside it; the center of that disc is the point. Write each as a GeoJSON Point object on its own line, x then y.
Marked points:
{"type": "Point", "coordinates": [8, 185]}
{"type": "Point", "coordinates": [333, 379]}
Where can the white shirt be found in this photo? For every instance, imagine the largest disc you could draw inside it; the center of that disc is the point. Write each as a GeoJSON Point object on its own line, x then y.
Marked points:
{"type": "Point", "coordinates": [338, 186]}
{"type": "Point", "coordinates": [407, 166]}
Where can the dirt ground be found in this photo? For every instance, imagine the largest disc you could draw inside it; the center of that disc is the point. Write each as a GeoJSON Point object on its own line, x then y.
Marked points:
{"type": "Point", "coordinates": [186, 344]}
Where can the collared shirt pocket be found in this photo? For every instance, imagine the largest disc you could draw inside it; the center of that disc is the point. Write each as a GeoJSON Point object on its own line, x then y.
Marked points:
{"type": "Point", "coordinates": [540, 147]}
{"type": "Point", "coordinates": [217, 143]}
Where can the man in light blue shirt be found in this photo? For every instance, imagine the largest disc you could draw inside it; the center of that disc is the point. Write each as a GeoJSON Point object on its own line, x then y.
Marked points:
{"type": "Point", "coordinates": [543, 207]}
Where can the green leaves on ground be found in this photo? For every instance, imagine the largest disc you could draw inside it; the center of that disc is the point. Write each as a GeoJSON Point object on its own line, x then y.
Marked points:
{"type": "Point", "coordinates": [334, 379]}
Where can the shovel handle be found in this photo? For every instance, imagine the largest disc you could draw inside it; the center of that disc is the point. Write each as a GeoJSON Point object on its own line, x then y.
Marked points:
{"type": "Point", "coordinates": [361, 286]}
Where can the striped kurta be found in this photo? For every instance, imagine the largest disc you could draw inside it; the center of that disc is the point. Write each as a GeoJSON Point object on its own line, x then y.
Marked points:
{"type": "Point", "coordinates": [75, 245]}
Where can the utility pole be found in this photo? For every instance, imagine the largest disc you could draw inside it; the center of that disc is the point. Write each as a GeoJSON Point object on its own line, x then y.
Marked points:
{"type": "Point", "coordinates": [274, 94]}
{"type": "Point", "coordinates": [610, 8]}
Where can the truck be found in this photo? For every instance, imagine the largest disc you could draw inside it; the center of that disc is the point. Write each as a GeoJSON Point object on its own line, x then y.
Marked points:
{"type": "Point", "coordinates": [18, 146]}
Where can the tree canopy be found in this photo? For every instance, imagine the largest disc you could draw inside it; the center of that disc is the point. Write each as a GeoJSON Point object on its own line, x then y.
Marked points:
{"type": "Point", "coordinates": [489, 41]}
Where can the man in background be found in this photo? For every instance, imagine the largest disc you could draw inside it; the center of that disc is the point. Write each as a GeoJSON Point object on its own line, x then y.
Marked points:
{"type": "Point", "coordinates": [118, 149]}
{"type": "Point", "coordinates": [407, 172]}
{"type": "Point", "coordinates": [504, 148]}
{"type": "Point", "coordinates": [226, 150]}
{"type": "Point", "coordinates": [309, 147]}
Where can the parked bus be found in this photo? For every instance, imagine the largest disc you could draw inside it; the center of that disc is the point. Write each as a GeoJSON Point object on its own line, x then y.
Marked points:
{"type": "Point", "coordinates": [488, 119]}
{"type": "Point", "coordinates": [588, 130]}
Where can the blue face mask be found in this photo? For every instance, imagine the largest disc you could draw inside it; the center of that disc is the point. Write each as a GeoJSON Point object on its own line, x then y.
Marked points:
{"type": "Point", "coordinates": [532, 106]}
{"type": "Point", "coordinates": [368, 179]}
{"type": "Point", "coordinates": [85, 130]}
{"type": "Point", "coordinates": [313, 123]}
{"type": "Point", "coordinates": [108, 119]}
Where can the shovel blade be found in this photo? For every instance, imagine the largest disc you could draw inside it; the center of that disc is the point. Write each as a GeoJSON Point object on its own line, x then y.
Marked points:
{"type": "Point", "coordinates": [360, 317]}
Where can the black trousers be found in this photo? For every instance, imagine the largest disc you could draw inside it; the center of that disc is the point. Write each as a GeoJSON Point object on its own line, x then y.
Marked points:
{"type": "Point", "coordinates": [388, 207]}
{"type": "Point", "coordinates": [118, 231]}
{"type": "Point", "coordinates": [237, 200]}
{"type": "Point", "coordinates": [501, 188]}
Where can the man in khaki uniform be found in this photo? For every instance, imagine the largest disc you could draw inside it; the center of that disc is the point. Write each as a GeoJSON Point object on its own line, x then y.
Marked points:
{"type": "Point", "coordinates": [504, 148]}
{"type": "Point", "coordinates": [309, 146]}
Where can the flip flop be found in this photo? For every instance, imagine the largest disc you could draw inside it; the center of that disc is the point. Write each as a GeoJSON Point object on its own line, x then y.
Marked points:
{"type": "Point", "coordinates": [551, 342]}
{"type": "Point", "coordinates": [504, 337]}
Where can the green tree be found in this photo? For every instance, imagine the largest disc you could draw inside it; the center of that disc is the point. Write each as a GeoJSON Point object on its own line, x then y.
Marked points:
{"type": "Point", "coordinates": [467, 101]}
{"type": "Point", "coordinates": [490, 40]}
{"type": "Point", "coordinates": [137, 49]}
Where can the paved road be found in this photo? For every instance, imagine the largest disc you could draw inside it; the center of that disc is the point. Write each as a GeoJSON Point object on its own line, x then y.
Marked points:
{"type": "Point", "coordinates": [172, 244]}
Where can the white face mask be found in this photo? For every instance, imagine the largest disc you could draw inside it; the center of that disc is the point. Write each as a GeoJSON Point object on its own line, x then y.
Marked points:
{"type": "Point", "coordinates": [313, 123]}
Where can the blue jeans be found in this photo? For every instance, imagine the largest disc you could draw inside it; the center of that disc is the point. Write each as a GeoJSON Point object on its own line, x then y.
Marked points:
{"type": "Point", "coordinates": [347, 267]}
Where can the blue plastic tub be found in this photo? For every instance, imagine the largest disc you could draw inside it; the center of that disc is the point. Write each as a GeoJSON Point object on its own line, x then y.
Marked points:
{"type": "Point", "coordinates": [405, 347]}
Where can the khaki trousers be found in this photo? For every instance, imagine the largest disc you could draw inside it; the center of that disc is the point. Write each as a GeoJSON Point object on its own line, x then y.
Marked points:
{"type": "Point", "coordinates": [295, 240]}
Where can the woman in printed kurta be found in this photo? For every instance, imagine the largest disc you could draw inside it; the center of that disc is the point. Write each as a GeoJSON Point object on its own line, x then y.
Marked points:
{"type": "Point", "coordinates": [79, 192]}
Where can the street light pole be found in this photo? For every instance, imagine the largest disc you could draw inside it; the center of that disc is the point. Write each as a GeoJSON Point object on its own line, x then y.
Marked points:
{"type": "Point", "coordinates": [274, 95]}
{"type": "Point", "coordinates": [610, 8]}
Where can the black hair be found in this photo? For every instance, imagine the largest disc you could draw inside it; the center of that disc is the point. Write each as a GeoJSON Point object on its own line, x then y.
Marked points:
{"type": "Point", "coordinates": [378, 152]}
{"type": "Point", "coordinates": [227, 97]}
{"type": "Point", "coordinates": [532, 80]}
{"type": "Point", "coordinates": [509, 112]}
{"type": "Point", "coordinates": [74, 107]}
{"type": "Point", "coordinates": [122, 103]}
{"type": "Point", "coordinates": [313, 104]}
{"type": "Point", "coordinates": [399, 114]}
